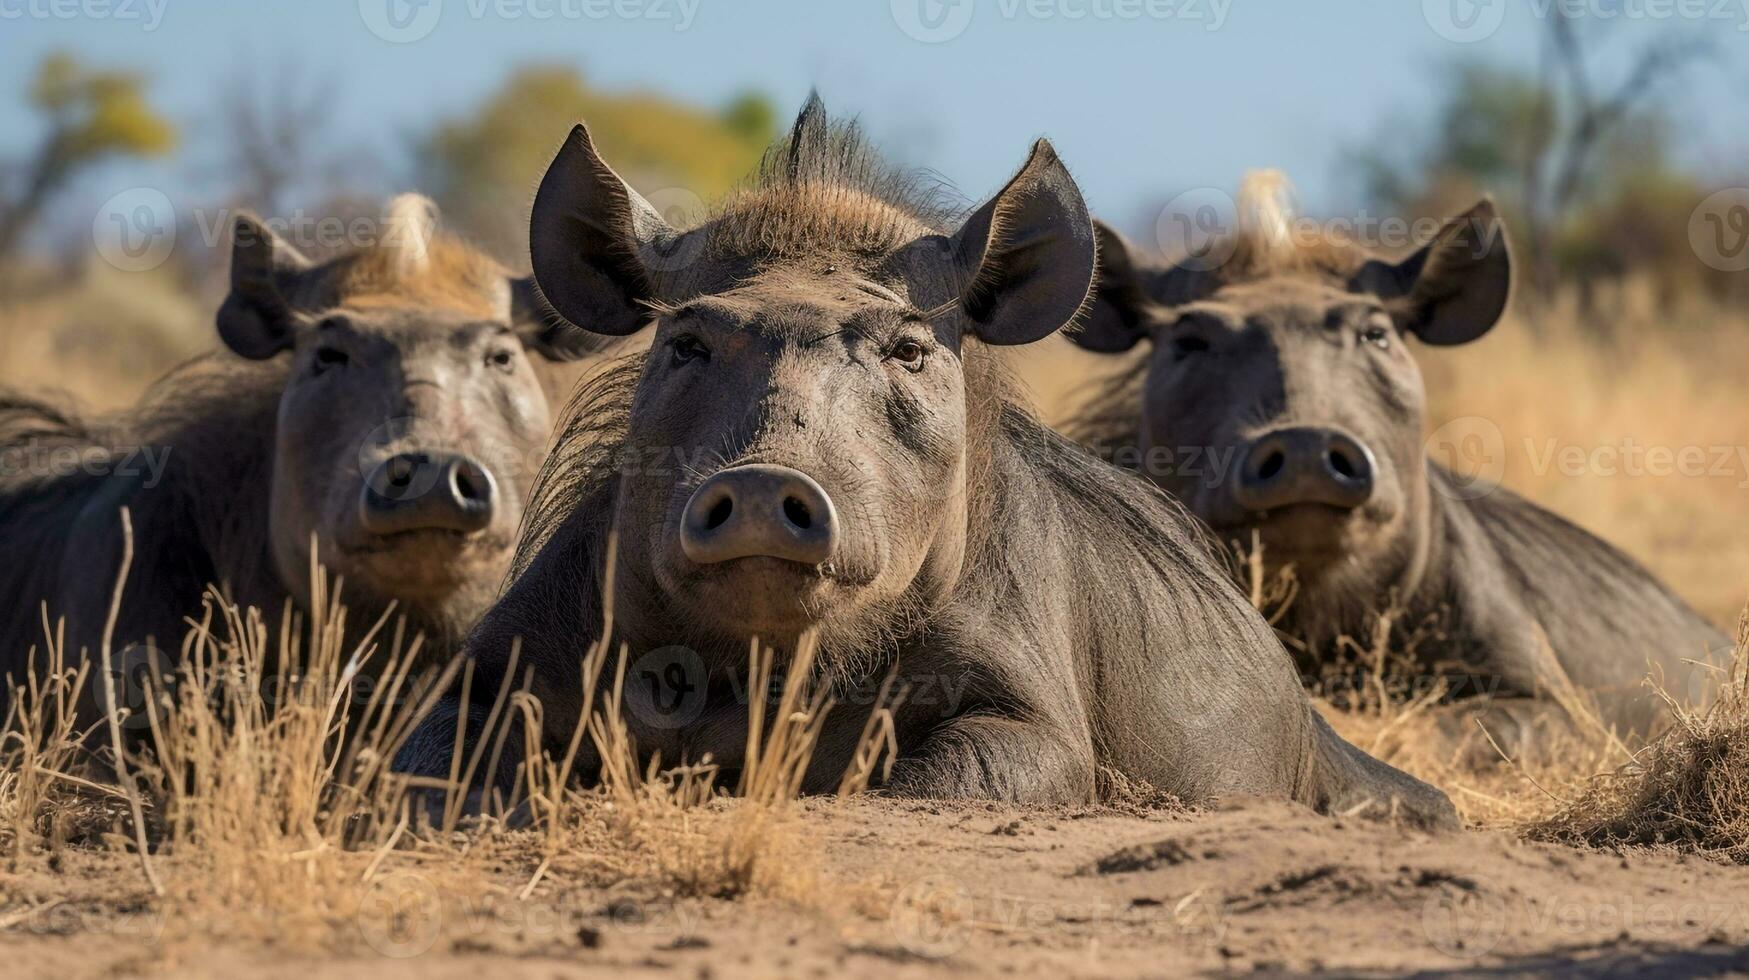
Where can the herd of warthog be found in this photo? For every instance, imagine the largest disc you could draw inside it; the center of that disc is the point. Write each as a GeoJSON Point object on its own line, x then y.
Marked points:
{"type": "Point", "coordinates": [821, 443]}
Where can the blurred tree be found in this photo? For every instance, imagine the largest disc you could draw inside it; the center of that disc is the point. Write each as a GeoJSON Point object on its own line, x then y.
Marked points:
{"type": "Point", "coordinates": [1550, 144]}
{"type": "Point", "coordinates": [751, 116]}
{"type": "Point", "coordinates": [482, 168]}
{"type": "Point", "coordinates": [275, 134]}
{"type": "Point", "coordinates": [92, 115]}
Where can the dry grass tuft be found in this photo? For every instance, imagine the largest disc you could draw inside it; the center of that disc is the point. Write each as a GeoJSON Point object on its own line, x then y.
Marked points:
{"type": "Point", "coordinates": [41, 750]}
{"type": "Point", "coordinates": [1688, 789]}
{"type": "Point", "coordinates": [1376, 692]}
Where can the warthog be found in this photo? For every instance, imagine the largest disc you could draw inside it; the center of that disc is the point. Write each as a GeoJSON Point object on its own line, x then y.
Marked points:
{"type": "Point", "coordinates": [384, 407]}
{"type": "Point", "coordinates": [853, 462]}
{"type": "Point", "coordinates": [1280, 396]}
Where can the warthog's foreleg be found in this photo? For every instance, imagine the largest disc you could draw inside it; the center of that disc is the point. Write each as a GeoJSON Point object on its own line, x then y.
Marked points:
{"type": "Point", "coordinates": [989, 757]}
{"type": "Point", "coordinates": [1346, 780]}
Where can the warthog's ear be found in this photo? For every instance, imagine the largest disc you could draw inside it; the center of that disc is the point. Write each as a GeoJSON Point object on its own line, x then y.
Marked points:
{"type": "Point", "coordinates": [1121, 308]}
{"type": "Point", "coordinates": [1454, 289]}
{"type": "Point", "coordinates": [594, 243]}
{"type": "Point", "coordinates": [542, 330]}
{"type": "Point", "coordinates": [255, 320]}
{"type": "Point", "coordinates": [1028, 254]}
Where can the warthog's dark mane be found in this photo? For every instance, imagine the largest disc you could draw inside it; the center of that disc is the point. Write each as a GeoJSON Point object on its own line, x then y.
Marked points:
{"type": "Point", "coordinates": [825, 186]}
{"type": "Point", "coordinates": [1107, 419]}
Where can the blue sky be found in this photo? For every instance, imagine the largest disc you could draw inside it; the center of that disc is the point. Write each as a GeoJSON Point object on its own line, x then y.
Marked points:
{"type": "Point", "coordinates": [1142, 101]}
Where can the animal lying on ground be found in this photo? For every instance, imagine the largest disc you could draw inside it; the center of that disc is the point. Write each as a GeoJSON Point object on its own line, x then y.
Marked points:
{"type": "Point", "coordinates": [849, 461]}
{"type": "Point", "coordinates": [382, 405]}
{"type": "Point", "coordinates": [1280, 396]}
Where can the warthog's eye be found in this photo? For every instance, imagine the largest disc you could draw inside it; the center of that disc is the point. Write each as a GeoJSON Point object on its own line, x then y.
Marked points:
{"type": "Point", "coordinates": [1377, 336]}
{"type": "Point", "coordinates": [1183, 347]}
{"type": "Point", "coordinates": [329, 357]}
{"type": "Point", "coordinates": [909, 353]}
{"type": "Point", "coordinates": [686, 347]}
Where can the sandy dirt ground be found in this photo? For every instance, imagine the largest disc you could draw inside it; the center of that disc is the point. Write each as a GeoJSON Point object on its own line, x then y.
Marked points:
{"type": "Point", "coordinates": [936, 889]}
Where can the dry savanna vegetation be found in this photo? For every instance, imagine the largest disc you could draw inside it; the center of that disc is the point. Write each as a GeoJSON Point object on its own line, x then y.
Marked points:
{"type": "Point", "coordinates": [229, 808]}
{"type": "Point", "coordinates": [213, 826]}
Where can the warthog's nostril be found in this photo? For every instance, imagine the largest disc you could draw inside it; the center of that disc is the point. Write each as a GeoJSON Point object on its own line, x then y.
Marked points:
{"type": "Point", "coordinates": [420, 491]}
{"type": "Point", "coordinates": [1272, 465]}
{"type": "Point", "coordinates": [1305, 466]}
{"type": "Point", "coordinates": [759, 510]}
{"type": "Point", "coordinates": [719, 513]}
{"type": "Point", "coordinates": [471, 483]}
{"type": "Point", "coordinates": [400, 472]}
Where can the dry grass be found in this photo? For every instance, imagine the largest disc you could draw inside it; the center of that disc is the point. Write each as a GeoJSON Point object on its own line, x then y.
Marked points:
{"type": "Point", "coordinates": [101, 337]}
{"type": "Point", "coordinates": [40, 741]}
{"type": "Point", "coordinates": [1665, 381]}
{"type": "Point", "coordinates": [1688, 790]}
{"type": "Point", "coordinates": [270, 812]}
{"type": "Point", "coordinates": [1405, 721]}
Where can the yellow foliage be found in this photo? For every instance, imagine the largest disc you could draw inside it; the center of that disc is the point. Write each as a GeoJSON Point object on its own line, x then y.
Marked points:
{"type": "Point", "coordinates": [98, 112]}
{"type": "Point", "coordinates": [482, 168]}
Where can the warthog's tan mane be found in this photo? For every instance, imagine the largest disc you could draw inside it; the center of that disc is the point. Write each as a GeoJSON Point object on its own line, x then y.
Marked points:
{"type": "Point", "coordinates": [1271, 239]}
{"type": "Point", "coordinates": [414, 262]}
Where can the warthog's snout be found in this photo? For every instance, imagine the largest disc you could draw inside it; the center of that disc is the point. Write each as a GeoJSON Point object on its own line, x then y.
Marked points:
{"type": "Point", "coordinates": [427, 491]}
{"type": "Point", "coordinates": [1305, 466]}
{"type": "Point", "coordinates": [759, 510]}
